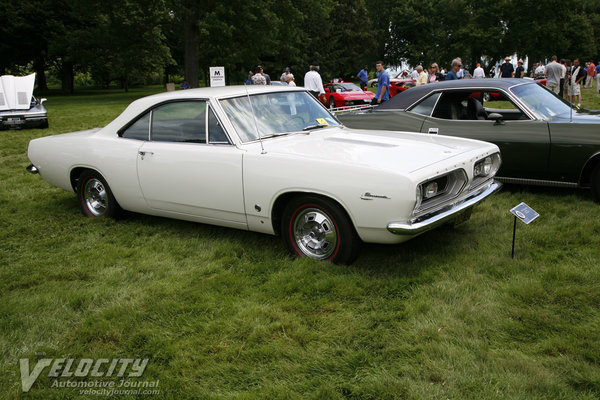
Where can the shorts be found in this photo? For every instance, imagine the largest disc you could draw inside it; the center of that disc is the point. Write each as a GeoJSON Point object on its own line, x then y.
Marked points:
{"type": "Point", "coordinates": [574, 90]}
{"type": "Point", "coordinates": [555, 87]}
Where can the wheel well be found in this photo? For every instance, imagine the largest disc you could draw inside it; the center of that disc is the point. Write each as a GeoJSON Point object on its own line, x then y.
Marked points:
{"type": "Point", "coordinates": [586, 174]}
{"type": "Point", "coordinates": [282, 201]}
{"type": "Point", "coordinates": [74, 176]}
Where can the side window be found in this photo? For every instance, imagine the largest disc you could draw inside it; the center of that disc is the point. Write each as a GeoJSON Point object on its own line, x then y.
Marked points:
{"type": "Point", "coordinates": [139, 130]}
{"type": "Point", "coordinates": [216, 134]}
{"type": "Point", "coordinates": [179, 122]}
{"type": "Point", "coordinates": [426, 106]}
{"type": "Point", "coordinates": [448, 106]}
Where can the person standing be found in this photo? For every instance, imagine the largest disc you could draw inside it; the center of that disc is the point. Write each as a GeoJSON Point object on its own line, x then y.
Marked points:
{"type": "Point", "coordinates": [383, 83]}
{"type": "Point", "coordinates": [598, 77]}
{"type": "Point", "coordinates": [478, 72]}
{"type": "Point", "coordinates": [576, 75]}
{"type": "Point", "coordinates": [258, 78]}
{"type": "Point", "coordinates": [313, 82]}
{"type": "Point", "coordinates": [589, 79]}
{"type": "Point", "coordinates": [290, 80]}
{"type": "Point", "coordinates": [563, 72]}
{"type": "Point", "coordinates": [285, 74]}
{"type": "Point", "coordinates": [452, 74]}
{"type": "Point", "coordinates": [422, 77]}
{"type": "Point", "coordinates": [553, 71]}
{"type": "Point", "coordinates": [363, 75]}
{"type": "Point", "coordinates": [414, 74]}
{"type": "Point", "coordinates": [540, 71]}
{"type": "Point", "coordinates": [507, 69]}
{"type": "Point", "coordinates": [520, 71]}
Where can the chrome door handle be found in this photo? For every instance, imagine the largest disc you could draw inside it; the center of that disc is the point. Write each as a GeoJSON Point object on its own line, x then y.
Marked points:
{"type": "Point", "coordinates": [433, 131]}
{"type": "Point", "coordinates": [143, 153]}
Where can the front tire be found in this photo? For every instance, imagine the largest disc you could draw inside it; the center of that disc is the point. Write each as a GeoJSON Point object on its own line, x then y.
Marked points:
{"type": "Point", "coordinates": [318, 228]}
{"type": "Point", "coordinates": [95, 197]}
{"type": "Point", "coordinates": [331, 103]}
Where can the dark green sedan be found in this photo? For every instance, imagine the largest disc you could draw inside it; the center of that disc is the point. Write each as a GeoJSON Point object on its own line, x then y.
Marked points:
{"type": "Point", "coordinates": [543, 141]}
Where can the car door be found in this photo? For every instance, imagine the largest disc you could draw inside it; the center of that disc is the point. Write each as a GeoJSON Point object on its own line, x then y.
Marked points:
{"type": "Point", "coordinates": [524, 142]}
{"type": "Point", "coordinates": [189, 166]}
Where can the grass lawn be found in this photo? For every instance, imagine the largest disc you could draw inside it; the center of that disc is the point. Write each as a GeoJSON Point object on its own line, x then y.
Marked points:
{"type": "Point", "coordinates": [226, 314]}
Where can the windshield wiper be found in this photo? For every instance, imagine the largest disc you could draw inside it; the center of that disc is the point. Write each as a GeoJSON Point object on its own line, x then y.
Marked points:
{"type": "Point", "coordinates": [310, 127]}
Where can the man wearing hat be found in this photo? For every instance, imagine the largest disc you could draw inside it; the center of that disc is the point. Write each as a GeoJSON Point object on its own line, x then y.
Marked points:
{"type": "Point", "coordinates": [520, 71]}
{"type": "Point", "coordinates": [507, 70]}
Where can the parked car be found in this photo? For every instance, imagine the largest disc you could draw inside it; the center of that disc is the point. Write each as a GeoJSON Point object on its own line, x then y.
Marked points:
{"type": "Point", "coordinates": [18, 107]}
{"type": "Point", "coordinates": [271, 160]}
{"type": "Point", "coordinates": [342, 94]}
{"type": "Point", "coordinates": [543, 140]}
{"type": "Point", "coordinates": [400, 85]}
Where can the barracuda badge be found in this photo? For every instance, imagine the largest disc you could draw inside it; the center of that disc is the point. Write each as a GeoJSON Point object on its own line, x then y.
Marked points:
{"type": "Point", "coordinates": [370, 196]}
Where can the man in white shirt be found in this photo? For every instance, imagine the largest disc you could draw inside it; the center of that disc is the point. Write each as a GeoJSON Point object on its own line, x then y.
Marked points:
{"type": "Point", "coordinates": [540, 70]}
{"type": "Point", "coordinates": [313, 82]}
{"type": "Point", "coordinates": [414, 74]}
{"type": "Point", "coordinates": [479, 72]}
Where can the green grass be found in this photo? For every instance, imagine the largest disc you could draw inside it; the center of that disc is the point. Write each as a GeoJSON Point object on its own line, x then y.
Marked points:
{"type": "Point", "coordinates": [226, 314]}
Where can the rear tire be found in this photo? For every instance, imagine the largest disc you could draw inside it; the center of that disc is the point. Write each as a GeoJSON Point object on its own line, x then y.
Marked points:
{"type": "Point", "coordinates": [595, 184]}
{"type": "Point", "coordinates": [331, 103]}
{"type": "Point", "coordinates": [318, 228]}
{"type": "Point", "coordinates": [95, 197]}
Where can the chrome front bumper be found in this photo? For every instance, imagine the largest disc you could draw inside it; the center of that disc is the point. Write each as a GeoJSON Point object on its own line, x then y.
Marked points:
{"type": "Point", "coordinates": [442, 215]}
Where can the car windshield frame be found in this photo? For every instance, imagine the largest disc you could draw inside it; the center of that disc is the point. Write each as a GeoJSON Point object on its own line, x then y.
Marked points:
{"type": "Point", "coordinates": [266, 115]}
{"type": "Point", "coordinates": [345, 87]}
{"type": "Point", "coordinates": [542, 102]}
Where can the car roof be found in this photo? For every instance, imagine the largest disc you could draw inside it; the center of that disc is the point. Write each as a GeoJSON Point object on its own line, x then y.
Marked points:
{"type": "Point", "coordinates": [408, 97]}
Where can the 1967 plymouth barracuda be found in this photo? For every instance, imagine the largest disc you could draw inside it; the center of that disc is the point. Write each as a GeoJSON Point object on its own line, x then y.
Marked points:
{"type": "Point", "coordinates": [271, 160]}
{"type": "Point", "coordinates": [542, 139]}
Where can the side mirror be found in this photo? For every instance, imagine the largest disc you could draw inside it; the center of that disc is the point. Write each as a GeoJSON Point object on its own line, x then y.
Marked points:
{"type": "Point", "coordinates": [327, 90]}
{"type": "Point", "coordinates": [497, 117]}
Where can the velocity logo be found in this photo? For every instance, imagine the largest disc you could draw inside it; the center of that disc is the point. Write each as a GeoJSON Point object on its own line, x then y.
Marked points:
{"type": "Point", "coordinates": [67, 368]}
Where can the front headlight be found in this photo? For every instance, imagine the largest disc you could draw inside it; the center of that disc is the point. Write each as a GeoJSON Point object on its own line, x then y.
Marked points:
{"type": "Point", "coordinates": [485, 168]}
{"type": "Point", "coordinates": [437, 190]}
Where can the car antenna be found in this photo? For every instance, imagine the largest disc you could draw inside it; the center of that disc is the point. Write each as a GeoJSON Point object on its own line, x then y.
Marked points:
{"type": "Point", "coordinates": [262, 149]}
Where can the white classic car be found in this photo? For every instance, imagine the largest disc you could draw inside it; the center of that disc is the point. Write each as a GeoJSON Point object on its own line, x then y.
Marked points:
{"type": "Point", "coordinates": [269, 160]}
{"type": "Point", "coordinates": [18, 107]}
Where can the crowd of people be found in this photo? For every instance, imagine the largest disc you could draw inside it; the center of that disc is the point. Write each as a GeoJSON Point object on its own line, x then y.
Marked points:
{"type": "Point", "coordinates": [564, 77]}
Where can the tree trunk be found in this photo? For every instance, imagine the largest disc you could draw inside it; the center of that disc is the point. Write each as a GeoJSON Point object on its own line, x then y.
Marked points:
{"type": "Point", "coordinates": [67, 77]}
{"type": "Point", "coordinates": [39, 66]}
{"type": "Point", "coordinates": [191, 34]}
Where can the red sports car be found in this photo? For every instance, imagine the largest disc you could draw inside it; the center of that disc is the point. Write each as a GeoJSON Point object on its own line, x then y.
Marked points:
{"type": "Point", "coordinates": [343, 94]}
{"type": "Point", "coordinates": [400, 85]}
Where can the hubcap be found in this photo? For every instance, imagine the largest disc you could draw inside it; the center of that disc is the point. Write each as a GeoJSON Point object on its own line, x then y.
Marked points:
{"type": "Point", "coordinates": [314, 233]}
{"type": "Point", "coordinates": [94, 195]}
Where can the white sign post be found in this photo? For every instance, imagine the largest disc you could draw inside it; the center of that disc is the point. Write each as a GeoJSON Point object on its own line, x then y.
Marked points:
{"type": "Point", "coordinates": [217, 76]}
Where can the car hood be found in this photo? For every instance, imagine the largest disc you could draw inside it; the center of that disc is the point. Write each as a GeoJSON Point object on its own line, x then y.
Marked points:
{"type": "Point", "coordinates": [16, 92]}
{"type": "Point", "coordinates": [355, 95]}
{"type": "Point", "coordinates": [386, 150]}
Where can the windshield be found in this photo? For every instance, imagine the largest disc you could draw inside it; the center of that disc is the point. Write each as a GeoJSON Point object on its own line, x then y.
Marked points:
{"type": "Point", "coordinates": [276, 114]}
{"type": "Point", "coordinates": [541, 100]}
{"type": "Point", "coordinates": [346, 87]}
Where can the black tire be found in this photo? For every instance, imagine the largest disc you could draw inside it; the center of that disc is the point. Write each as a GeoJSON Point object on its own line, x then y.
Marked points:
{"type": "Point", "coordinates": [95, 197]}
{"type": "Point", "coordinates": [318, 228]}
{"type": "Point", "coordinates": [332, 103]}
{"type": "Point", "coordinates": [595, 184]}
{"type": "Point", "coordinates": [44, 125]}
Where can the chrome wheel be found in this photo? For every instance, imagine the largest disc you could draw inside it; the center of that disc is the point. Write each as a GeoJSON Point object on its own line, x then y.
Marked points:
{"type": "Point", "coordinates": [331, 103]}
{"type": "Point", "coordinates": [314, 233]}
{"type": "Point", "coordinates": [95, 197]}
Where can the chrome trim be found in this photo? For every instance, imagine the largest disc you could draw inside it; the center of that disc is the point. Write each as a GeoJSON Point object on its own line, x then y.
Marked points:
{"type": "Point", "coordinates": [537, 182]}
{"type": "Point", "coordinates": [32, 169]}
{"type": "Point", "coordinates": [442, 215]}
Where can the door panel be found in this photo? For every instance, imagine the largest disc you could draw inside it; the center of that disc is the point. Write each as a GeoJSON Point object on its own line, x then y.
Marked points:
{"type": "Point", "coordinates": [524, 145]}
{"type": "Point", "coordinates": [193, 179]}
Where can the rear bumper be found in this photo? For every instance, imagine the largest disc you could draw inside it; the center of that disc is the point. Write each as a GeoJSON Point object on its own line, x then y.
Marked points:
{"type": "Point", "coordinates": [23, 122]}
{"type": "Point", "coordinates": [443, 215]}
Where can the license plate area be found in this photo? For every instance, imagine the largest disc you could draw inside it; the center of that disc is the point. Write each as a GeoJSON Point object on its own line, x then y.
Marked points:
{"type": "Point", "coordinates": [463, 216]}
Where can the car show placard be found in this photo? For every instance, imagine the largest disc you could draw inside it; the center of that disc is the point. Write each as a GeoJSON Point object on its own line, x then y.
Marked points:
{"type": "Point", "coordinates": [217, 76]}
